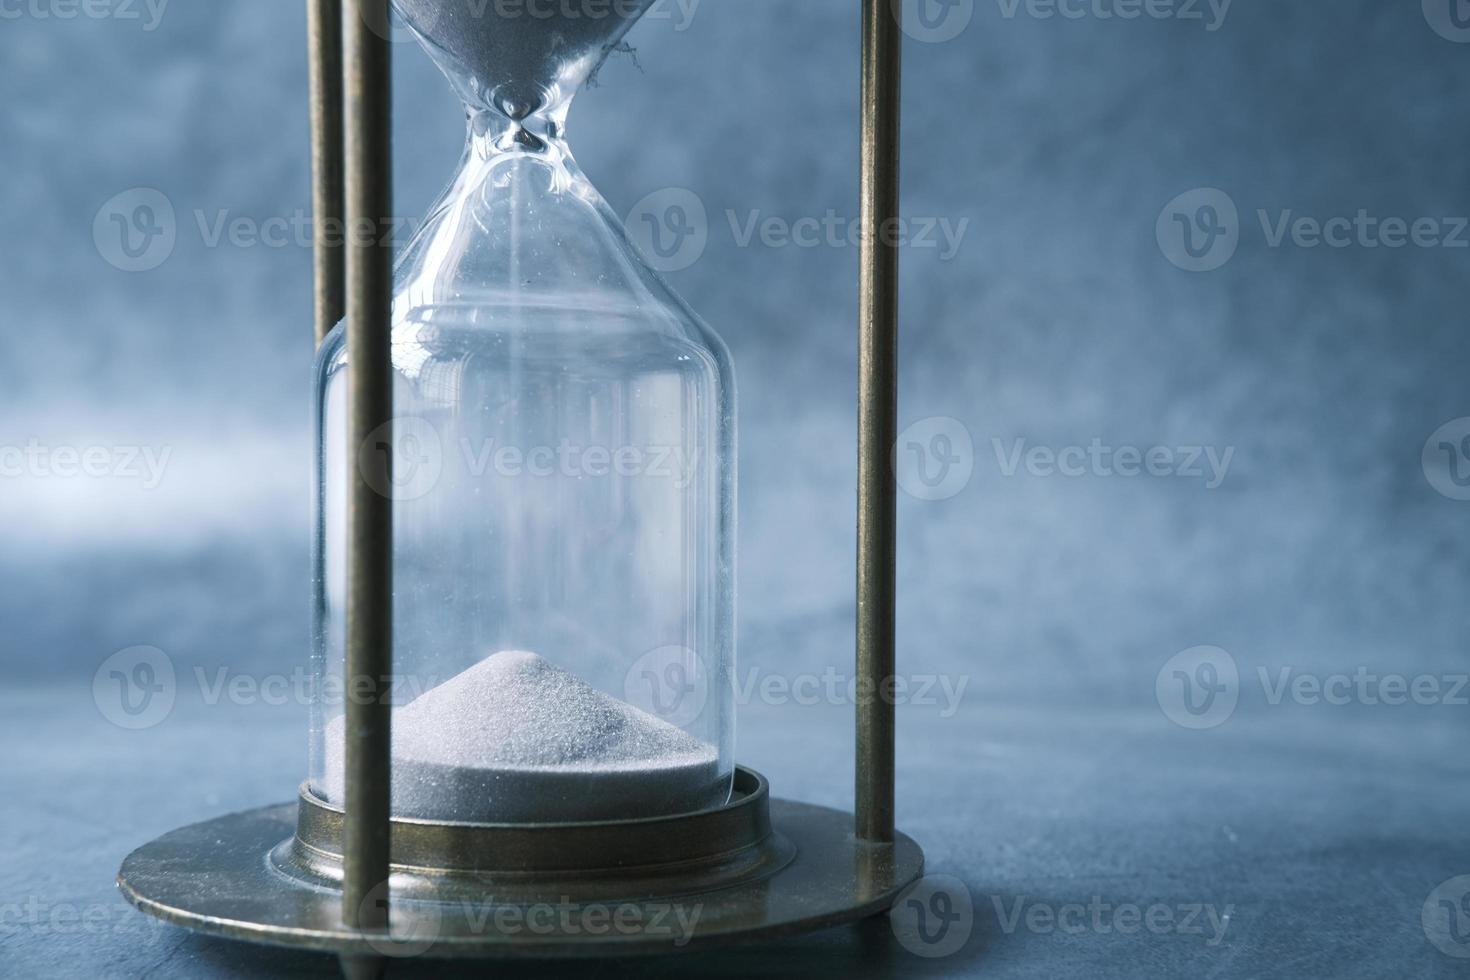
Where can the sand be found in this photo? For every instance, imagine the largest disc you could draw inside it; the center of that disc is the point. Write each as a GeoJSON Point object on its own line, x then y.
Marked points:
{"type": "Point", "coordinates": [516, 739]}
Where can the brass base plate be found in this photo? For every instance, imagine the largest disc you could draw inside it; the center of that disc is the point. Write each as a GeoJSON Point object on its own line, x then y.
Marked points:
{"type": "Point", "coordinates": [217, 877]}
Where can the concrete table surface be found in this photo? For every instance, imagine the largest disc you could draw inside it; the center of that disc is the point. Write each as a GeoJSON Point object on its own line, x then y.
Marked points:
{"type": "Point", "coordinates": [1090, 842]}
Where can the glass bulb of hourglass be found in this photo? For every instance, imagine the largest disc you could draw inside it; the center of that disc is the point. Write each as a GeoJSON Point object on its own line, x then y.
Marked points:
{"type": "Point", "coordinates": [564, 481]}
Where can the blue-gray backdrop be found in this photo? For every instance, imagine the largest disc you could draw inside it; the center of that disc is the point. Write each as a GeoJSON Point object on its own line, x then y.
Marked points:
{"type": "Point", "coordinates": [1108, 253]}
{"type": "Point", "coordinates": [1184, 361]}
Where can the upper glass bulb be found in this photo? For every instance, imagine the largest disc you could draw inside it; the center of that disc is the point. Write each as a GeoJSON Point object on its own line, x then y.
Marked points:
{"type": "Point", "coordinates": [564, 474]}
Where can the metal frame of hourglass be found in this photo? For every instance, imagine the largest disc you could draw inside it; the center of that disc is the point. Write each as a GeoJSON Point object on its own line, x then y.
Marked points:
{"type": "Point", "coordinates": [356, 880]}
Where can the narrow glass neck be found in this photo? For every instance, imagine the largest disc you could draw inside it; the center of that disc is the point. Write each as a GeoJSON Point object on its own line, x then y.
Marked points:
{"type": "Point", "coordinates": [493, 134]}
{"type": "Point", "coordinates": [502, 151]}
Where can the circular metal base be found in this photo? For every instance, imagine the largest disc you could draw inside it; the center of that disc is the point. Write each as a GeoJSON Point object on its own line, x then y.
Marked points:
{"type": "Point", "coordinates": [219, 877]}
{"type": "Point", "coordinates": [528, 863]}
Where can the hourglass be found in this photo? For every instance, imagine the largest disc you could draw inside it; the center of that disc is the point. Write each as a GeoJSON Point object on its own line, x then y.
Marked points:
{"type": "Point", "coordinates": [524, 638]}
{"type": "Point", "coordinates": [563, 495]}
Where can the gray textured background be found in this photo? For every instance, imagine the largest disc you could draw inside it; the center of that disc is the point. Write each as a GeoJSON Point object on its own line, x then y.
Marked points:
{"type": "Point", "coordinates": [1058, 321]}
